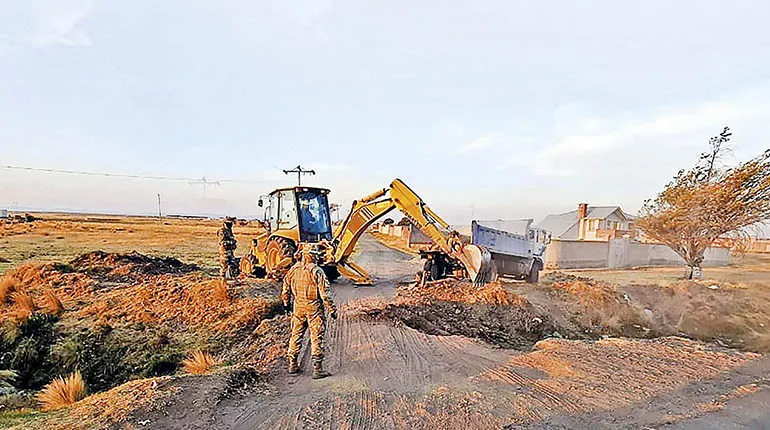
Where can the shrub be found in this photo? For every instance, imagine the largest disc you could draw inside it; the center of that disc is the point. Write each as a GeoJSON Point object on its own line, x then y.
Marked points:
{"type": "Point", "coordinates": [6, 377]}
{"type": "Point", "coordinates": [200, 363]}
{"type": "Point", "coordinates": [26, 351]}
{"type": "Point", "coordinates": [62, 392]}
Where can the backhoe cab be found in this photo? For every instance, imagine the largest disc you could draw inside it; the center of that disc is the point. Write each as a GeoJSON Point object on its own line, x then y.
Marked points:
{"type": "Point", "coordinates": [292, 216]}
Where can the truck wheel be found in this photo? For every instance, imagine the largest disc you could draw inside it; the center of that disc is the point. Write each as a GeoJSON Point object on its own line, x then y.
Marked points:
{"type": "Point", "coordinates": [432, 270]}
{"type": "Point", "coordinates": [280, 256]}
{"type": "Point", "coordinates": [534, 273]}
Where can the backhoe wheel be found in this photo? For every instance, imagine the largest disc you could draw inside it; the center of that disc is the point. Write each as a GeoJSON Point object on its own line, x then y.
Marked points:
{"type": "Point", "coordinates": [534, 273]}
{"type": "Point", "coordinates": [250, 266]}
{"type": "Point", "coordinates": [280, 256]}
{"type": "Point", "coordinates": [331, 272]}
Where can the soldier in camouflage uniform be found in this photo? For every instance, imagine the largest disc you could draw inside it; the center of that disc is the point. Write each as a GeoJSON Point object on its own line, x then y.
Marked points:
{"type": "Point", "coordinates": [307, 286]}
{"type": "Point", "coordinates": [227, 245]}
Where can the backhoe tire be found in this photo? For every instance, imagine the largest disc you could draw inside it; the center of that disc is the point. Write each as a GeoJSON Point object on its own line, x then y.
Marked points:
{"type": "Point", "coordinates": [534, 272]}
{"type": "Point", "coordinates": [332, 273]}
{"type": "Point", "coordinates": [279, 249]}
{"type": "Point", "coordinates": [250, 266]}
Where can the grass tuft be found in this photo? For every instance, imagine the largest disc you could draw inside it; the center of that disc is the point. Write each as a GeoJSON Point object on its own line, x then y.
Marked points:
{"type": "Point", "coordinates": [7, 286]}
{"type": "Point", "coordinates": [62, 392]}
{"type": "Point", "coordinates": [52, 305]}
{"type": "Point", "coordinates": [200, 363]}
{"type": "Point", "coordinates": [24, 306]}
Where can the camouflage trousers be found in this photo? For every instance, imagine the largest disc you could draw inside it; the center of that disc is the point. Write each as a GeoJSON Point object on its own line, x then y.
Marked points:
{"type": "Point", "coordinates": [227, 266]}
{"type": "Point", "coordinates": [301, 320]}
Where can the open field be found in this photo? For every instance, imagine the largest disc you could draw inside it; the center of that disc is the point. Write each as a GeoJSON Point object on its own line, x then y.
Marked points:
{"type": "Point", "coordinates": [62, 237]}
{"type": "Point", "coordinates": [582, 349]}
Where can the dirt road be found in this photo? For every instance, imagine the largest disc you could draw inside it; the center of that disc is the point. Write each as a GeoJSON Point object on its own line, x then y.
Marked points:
{"type": "Point", "coordinates": [387, 375]}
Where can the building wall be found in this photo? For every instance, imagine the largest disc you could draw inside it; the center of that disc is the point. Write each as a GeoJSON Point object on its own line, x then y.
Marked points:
{"type": "Point", "coordinates": [417, 237]}
{"type": "Point", "coordinates": [620, 253]}
{"type": "Point", "coordinates": [575, 254]}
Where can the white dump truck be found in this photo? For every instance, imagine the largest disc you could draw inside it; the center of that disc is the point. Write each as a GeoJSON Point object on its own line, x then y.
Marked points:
{"type": "Point", "coordinates": [518, 249]}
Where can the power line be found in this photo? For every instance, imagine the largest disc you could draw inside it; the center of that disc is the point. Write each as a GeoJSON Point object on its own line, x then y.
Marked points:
{"type": "Point", "coordinates": [125, 175]}
{"type": "Point", "coordinates": [265, 162]}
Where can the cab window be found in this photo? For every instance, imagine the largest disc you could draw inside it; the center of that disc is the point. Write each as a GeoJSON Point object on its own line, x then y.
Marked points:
{"type": "Point", "coordinates": [287, 210]}
{"type": "Point", "coordinates": [314, 216]}
{"type": "Point", "coordinates": [272, 212]}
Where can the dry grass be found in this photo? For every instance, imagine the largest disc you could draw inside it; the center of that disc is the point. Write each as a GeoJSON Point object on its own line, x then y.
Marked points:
{"type": "Point", "coordinates": [23, 304]}
{"type": "Point", "coordinates": [200, 363]}
{"type": "Point", "coordinates": [62, 392]}
{"type": "Point", "coordinates": [51, 304]}
{"type": "Point", "coordinates": [7, 286]}
{"type": "Point", "coordinates": [221, 294]}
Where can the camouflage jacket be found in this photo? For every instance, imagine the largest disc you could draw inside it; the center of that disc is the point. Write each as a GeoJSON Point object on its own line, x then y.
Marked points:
{"type": "Point", "coordinates": [227, 238]}
{"type": "Point", "coordinates": [307, 285]}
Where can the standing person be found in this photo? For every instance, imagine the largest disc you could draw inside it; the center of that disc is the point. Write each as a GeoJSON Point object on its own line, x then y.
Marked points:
{"type": "Point", "coordinates": [307, 287]}
{"type": "Point", "coordinates": [227, 245]}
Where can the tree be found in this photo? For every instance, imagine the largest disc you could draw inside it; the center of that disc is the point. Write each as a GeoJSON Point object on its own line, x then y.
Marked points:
{"type": "Point", "coordinates": [708, 201]}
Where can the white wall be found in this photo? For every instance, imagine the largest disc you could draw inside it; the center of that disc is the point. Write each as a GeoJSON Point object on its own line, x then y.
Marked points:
{"type": "Point", "coordinates": [620, 253]}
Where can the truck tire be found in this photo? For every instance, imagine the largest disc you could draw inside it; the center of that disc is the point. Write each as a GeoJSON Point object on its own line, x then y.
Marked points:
{"type": "Point", "coordinates": [431, 270]}
{"type": "Point", "coordinates": [534, 272]}
{"type": "Point", "coordinates": [278, 250]}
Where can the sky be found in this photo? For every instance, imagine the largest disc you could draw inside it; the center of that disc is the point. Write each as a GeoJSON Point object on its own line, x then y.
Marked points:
{"type": "Point", "coordinates": [487, 109]}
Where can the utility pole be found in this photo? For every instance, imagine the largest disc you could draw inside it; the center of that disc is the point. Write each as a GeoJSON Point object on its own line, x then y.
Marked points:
{"type": "Point", "coordinates": [299, 171]}
{"type": "Point", "coordinates": [160, 212]}
{"type": "Point", "coordinates": [203, 181]}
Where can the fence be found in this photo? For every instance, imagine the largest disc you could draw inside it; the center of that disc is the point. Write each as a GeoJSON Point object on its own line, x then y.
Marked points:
{"type": "Point", "coordinates": [620, 253]}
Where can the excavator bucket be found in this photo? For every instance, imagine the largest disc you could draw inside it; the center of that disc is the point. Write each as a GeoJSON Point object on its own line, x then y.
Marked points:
{"type": "Point", "coordinates": [478, 262]}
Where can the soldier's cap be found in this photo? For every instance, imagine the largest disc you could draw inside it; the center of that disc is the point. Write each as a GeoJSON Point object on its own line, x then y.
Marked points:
{"type": "Point", "coordinates": [229, 219]}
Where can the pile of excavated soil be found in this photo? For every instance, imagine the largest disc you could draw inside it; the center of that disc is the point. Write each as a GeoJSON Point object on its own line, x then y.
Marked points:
{"type": "Point", "coordinates": [192, 300]}
{"type": "Point", "coordinates": [450, 290]}
{"type": "Point", "coordinates": [119, 267]}
{"type": "Point", "coordinates": [154, 296]}
{"type": "Point", "coordinates": [450, 307]}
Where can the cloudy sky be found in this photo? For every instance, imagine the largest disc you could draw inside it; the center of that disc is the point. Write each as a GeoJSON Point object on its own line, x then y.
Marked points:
{"type": "Point", "coordinates": [492, 109]}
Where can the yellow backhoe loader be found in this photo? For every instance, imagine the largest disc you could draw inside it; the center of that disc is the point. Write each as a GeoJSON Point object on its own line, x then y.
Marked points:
{"type": "Point", "coordinates": [299, 215]}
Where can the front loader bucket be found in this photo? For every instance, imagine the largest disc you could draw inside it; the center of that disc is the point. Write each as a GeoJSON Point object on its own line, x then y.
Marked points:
{"type": "Point", "coordinates": [478, 262]}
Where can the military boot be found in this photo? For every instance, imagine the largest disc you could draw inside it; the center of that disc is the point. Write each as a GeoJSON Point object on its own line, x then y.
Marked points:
{"type": "Point", "coordinates": [318, 369]}
{"type": "Point", "coordinates": [293, 367]}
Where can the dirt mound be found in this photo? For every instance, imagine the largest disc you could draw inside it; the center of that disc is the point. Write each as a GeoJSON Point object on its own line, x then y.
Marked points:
{"type": "Point", "coordinates": [118, 266]}
{"type": "Point", "coordinates": [450, 307]}
{"type": "Point", "coordinates": [449, 290]}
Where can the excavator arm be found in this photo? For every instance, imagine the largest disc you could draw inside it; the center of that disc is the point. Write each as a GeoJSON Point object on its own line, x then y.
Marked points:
{"type": "Point", "coordinates": [476, 260]}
